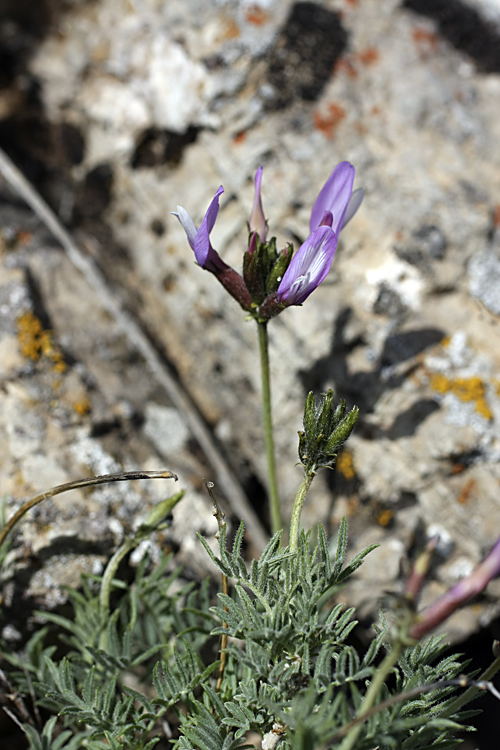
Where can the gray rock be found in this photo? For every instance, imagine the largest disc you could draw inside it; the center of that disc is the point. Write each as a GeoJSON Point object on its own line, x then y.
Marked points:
{"type": "Point", "coordinates": [171, 100]}
{"type": "Point", "coordinates": [484, 277]}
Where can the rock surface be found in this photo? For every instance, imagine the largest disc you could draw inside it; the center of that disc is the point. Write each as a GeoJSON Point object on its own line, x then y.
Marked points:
{"type": "Point", "coordinates": [144, 106]}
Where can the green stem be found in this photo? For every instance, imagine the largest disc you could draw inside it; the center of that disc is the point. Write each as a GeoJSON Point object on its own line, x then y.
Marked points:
{"type": "Point", "coordinates": [274, 501]}
{"type": "Point", "coordinates": [110, 572]}
{"type": "Point", "coordinates": [107, 579]}
{"type": "Point", "coordinates": [297, 510]}
{"type": "Point", "coordinates": [376, 684]}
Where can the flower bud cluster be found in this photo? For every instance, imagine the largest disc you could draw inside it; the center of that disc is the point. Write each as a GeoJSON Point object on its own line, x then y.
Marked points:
{"type": "Point", "coordinates": [326, 428]}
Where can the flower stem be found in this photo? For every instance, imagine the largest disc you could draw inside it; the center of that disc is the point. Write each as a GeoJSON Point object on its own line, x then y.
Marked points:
{"type": "Point", "coordinates": [274, 502]}
{"type": "Point", "coordinates": [376, 684]}
{"type": "Point", "coordinates": [297, 510]}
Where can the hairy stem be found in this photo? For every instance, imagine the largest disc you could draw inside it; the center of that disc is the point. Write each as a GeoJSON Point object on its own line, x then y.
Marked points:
{"type": "Point", "coordinates": [376, 684]}
{"type": "Point", "coordinates": [297, 510]}
{"type": "Point", "coordinates": [274, 501]}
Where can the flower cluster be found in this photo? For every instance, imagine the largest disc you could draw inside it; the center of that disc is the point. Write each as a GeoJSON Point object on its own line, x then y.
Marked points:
{"type": "Point", "coordinates": [272, 280]}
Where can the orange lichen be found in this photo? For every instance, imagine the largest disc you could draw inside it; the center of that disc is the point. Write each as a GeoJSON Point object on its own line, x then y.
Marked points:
{"type": "Point", "coordinates": [496, 385]}
{"type": "Point", "coordinates": [368, 56]}
{"type": "Point", "coordinates": [82, 406]}
{"type": "Point", "coordinates": [465, 491]}
{"type": "Point", "coordinates": [385, 517]}
{"type": "Point", "coordinates": [35, 342]}
{"type": "Point", "coordinates": [466, 389]}
{"type": "Point", "coordinates": [24, 236]}
{"type": "Point", "coordinates": [345, 65]}
{"type": "Point", "coordinates": [496, 215]}
{"type": "Point", "coordinates": [345, 465]}
{"type": "Point", "coordinates": [256, 15]}
{"type": "Point", "coordinates": [425, 39]}
{"type": "Point", "coordinates": [229, 28]}
{"type": "Point", "coordinates": [239, 137]}
{"type": "Point", "coordinates": [328, 123]}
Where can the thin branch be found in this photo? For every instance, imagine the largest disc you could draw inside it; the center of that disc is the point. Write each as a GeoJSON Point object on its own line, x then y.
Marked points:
{"type": "Point", "coordinates": [123, 476]}
{"type": "Point", "coordinates": [110, 300]}
{"type": "Point", "coordinates": [10, 697]}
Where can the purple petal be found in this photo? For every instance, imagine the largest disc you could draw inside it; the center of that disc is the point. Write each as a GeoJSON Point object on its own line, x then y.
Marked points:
{"type": "Point", "coordinates": [308, 268]}
{"type": "Point", "coordinates": [334, 196]}
{"type": "Point", "coordinates": [187, 224]}
{"type": "Point", "coordinates": [257, 218]}
{"type": "Point", "coordinates": [354, 203]}
{"type": "Point", "coordinates": [201, 245]}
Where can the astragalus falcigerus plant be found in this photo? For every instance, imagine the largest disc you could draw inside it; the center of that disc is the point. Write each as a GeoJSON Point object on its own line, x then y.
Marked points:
{"type": "Point", "coordinates": [269, 659]}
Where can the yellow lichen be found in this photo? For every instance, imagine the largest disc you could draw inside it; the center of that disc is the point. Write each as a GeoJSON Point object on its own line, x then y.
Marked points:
{"type": "Point", "coordinates": [385, 517]}
{"type": "Point", "coordinates": [82, 406]}
{"type": "Point", "coordinates": [35, 342]}
{"type": "Point", "coordinates": [345, 464]}
{"type": "Point", "coordinates": [32, 337]}
{"type": "Point", "coordinates": [466, 389]}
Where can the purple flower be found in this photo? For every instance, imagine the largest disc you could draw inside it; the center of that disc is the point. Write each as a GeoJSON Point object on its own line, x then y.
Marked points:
{"type": "Point", "coordinates": [257, 218]}
{"type": "Point", "coordinates": [199, 239]}
{"type": "Point", "coordinates": [272, 281]}
{"type": "Point", "coordinates": [334, 207]}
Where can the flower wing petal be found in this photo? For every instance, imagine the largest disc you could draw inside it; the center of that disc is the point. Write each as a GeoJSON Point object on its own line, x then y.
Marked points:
{"type": "Point", "coordinates": [309, 267]}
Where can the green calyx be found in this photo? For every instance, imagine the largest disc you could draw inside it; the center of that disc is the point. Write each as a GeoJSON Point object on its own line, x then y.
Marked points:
{"type": "Point", "coordinates": [326, 428]}
{"type": "Point", "coordinates": [263, 267]}
{"type": "Point", "coordinates": [278, 269]}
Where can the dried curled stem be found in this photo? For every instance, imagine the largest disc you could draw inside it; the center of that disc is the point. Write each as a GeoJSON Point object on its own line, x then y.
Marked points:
{"type": "Point", "coordinates": [121, 476]}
